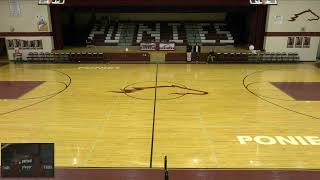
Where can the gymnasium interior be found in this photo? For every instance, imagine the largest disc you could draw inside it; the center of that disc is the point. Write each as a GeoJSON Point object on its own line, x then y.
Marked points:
{"type": "Point", "coordinates": [160, 89]}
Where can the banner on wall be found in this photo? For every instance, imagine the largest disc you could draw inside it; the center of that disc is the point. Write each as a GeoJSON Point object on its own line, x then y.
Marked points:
{"type": "Point", "coordinates": [306, 42]}
{"type": "Point", "coordinates": [24, 44]}
{"type": "Point", "coordinates": [290, 42]}
{"type": "Point", "coordinates": [148, 46]}
{"type": "Point", "coordinates": [42, 24]}
{"type": "Point", "coordinates": [298, 42]}
{"type": "Point", "coordinates": [14, 8]}
{"type": "Point", "coordinates": [157, 46]}
{"type": "Point", "coordinates": [278, 19]}
{"type": "Point", "coordinates": [167, 46]}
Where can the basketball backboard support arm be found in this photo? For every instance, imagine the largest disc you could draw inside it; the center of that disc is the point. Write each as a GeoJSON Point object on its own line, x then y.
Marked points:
{"type": "Point", "coordinates": [54, 2]}
{"type": "Point", "coordinates": [263, 2]}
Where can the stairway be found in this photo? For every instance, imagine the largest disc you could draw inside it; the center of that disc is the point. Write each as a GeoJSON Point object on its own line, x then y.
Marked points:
{"type": "Point", "coordinates": [193, 35]}
{"type": "Point", "coordinates": [127, 34]}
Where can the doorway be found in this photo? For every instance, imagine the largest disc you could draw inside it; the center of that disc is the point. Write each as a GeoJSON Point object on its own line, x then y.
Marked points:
{"type": "Point", "coordinates": [3, 50]}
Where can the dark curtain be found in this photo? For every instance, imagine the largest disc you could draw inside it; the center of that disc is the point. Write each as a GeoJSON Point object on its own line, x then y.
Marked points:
{"type": "Point", "coordinates": [55, 12]}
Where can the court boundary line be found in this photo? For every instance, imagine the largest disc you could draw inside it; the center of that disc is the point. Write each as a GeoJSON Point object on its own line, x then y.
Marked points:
{"type": "Point", "coordinates": [268, 101]}
{"type": "Point", "coordinates": [213, 168]}
{"type": "Point", "coordinates": [154, 116]}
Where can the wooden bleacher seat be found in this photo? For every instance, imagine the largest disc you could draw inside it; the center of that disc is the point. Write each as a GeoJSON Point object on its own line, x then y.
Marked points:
{"type": "Point", "coordinates": [111, 35]}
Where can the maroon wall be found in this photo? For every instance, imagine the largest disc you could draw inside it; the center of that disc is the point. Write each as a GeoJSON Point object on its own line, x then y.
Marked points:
{"type": "Point", "coordinates": [157, 3]}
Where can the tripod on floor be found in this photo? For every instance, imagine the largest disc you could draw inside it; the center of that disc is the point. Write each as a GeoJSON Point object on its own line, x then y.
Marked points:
{"type": "Point", "coordinates": [166, 173]}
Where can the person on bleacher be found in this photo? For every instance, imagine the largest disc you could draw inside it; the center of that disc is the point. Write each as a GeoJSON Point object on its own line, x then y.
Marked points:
{"type": "Point", "coordinates": [211, 57]}
{"type": "Point", "coordinates": [197, 52]}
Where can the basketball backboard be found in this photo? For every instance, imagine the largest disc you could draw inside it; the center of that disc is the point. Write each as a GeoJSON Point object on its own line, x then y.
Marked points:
{"type": "Point", "coordinates": [264, 2]}
{"type": "Point", "coordinates": [47, 2]}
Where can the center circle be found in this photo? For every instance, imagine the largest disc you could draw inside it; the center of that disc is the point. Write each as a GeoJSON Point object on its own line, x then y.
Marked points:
{"type": "Point", "coordinates": [146, 90]}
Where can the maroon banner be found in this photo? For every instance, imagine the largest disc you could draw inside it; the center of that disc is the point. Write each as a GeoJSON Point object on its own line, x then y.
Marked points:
{"type": "Point", "coordinates": [157, 46]}
{"type": "Point", "coordinates": [148, 46]}
{"type": "Point", "coordinates": [167, 46]}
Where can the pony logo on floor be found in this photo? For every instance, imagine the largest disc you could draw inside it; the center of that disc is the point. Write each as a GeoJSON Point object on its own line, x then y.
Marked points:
{"type": "Point", "coordinates": [168, 90]}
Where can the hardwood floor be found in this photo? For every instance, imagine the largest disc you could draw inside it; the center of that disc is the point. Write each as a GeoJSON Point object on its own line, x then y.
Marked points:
{"type": "Point", "coordinates": [201, 116]}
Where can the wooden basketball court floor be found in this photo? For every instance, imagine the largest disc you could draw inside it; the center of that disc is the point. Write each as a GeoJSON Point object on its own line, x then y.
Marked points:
{"type": "Point", "coordinates": [199, 115]}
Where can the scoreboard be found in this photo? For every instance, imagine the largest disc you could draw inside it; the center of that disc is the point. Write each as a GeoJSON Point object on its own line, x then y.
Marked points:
{"type": "Point", "coordinates": [27, 160]}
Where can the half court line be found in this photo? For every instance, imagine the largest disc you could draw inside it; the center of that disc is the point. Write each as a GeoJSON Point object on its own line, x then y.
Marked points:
{"type": "Point", "coordinates": [154, 116]}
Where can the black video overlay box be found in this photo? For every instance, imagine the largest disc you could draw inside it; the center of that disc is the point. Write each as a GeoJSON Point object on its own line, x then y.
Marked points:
{"type": "Point", "coordinates": [27, 160]}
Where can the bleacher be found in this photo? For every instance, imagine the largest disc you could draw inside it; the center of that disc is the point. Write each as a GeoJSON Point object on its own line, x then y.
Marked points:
{"type": "Point", "coordinates": [55, 57]}
{"type": "Point", "coordinates": [105, 33]}
{"type": "Point", "coordinates": [141, 57]}
{"type": "Point", "coordinates": [177, 35]}
{"type": "Point", "coordinates": [263, 57]}
{"type": "Point", "coordinates": [85, 57]}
